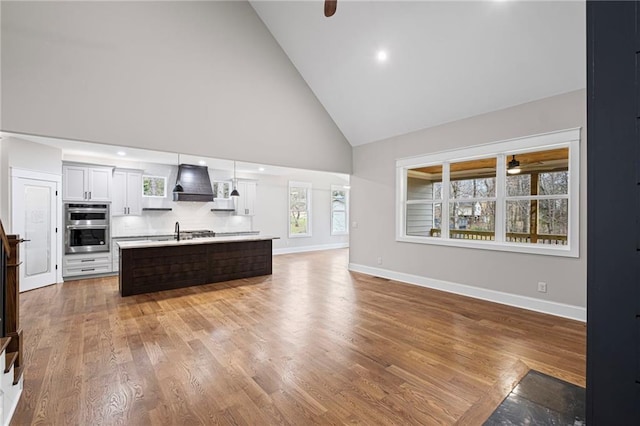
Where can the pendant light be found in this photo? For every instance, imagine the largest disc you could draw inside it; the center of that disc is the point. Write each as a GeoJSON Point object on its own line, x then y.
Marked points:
{"type": "Point", "coordinates": [178, 187]}
{"type": "Point", "coordinates": [513, 167]}
{"type": "Point", "coordinates": [235, 192]}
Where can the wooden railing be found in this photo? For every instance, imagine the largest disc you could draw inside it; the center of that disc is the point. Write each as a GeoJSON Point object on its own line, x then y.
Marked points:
{"type": "Point", "coordinates": [512, 237]}
{"type": "Point", "coordinates": [4, 261]}
{"type": "Point", "coordinates": [11, 297]}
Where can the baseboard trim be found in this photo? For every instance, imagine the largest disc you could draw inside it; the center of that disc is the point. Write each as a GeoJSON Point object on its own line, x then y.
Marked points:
{"type": "Point", "coordinates": [302, 249]}
{"type": "Point", "coordinates": [553, 308]}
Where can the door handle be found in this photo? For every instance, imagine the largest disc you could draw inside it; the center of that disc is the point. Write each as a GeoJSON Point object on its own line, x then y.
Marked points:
{"type": "Point", "coordinates": [88, 260]}
{"type": "Point", "coordinates": [89, 194]}
{"type": "Point", "coordinates": [23, 240]}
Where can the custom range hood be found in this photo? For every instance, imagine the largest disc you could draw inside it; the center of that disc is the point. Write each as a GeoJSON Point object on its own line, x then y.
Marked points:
{"type": "Point", "coordinates": [194, 182]}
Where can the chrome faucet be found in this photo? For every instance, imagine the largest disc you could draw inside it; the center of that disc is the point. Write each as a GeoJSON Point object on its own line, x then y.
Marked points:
{"type": "Point", "coordinates": [176, 229]}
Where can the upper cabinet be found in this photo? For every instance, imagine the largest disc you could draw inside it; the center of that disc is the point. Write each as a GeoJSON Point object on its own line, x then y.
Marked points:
{"type": "Point", "coordinates": [86, 183]}
{"type": "Point", "coordinates": [246, 202]}
{"type": "Point", "coordinates": [127, 193]}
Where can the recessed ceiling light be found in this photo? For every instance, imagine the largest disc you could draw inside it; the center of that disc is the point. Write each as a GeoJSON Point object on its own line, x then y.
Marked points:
{"type": "Point", "coordinates": [122, 153]}
{"type": "Point", "coordinates": [261, 169]}
{"type": "Point", "coordinates": [202, 162]}
{"type": "Point", "coordinates": [382, 56]}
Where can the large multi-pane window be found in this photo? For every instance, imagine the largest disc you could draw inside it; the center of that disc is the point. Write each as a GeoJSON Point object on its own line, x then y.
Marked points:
{"type": "Point", "coordinates": [299, 209]}
{"type": "Point", "coordinates": [517, 195]}
{"type": "Point", "coordinates": [339, 210]}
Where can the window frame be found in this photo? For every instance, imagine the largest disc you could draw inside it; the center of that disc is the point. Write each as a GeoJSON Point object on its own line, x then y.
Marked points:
{"type": "Point", "coordinates": [309, 188]}
{"type": "Point", "coordinates": [346, 209]}
{"type": "Point", "coordinates": [569, 138]}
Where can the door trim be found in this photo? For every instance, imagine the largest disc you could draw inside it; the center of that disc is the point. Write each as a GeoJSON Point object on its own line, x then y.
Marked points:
{"type": "Point", "coordinates": [48, 177]}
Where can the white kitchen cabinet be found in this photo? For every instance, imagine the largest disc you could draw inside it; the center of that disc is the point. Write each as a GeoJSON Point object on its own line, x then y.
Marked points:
{"type": "Point", "coordinates": [86, 183]}
{"type": "Point", "coordinates": [127, 193]}
{"type": "Point", "coordinates": [246, 202]}
{"type": "Point", "coordinates": [77, 265]}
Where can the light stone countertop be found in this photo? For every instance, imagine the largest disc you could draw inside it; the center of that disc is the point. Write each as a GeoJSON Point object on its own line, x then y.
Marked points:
{"type": "Point", "coordinates": [173, 234]}
{"type": "Point", "coordinates": [213, 240]}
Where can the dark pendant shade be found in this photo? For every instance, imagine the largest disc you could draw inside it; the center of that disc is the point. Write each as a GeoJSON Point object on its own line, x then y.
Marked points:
{"type": "Point", "coordinates": [235, 192]}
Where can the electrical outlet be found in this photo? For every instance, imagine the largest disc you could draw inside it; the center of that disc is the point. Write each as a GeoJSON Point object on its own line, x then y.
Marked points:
{"type": "Point", "coordinates": [354, 224]}
{"type": "Point", "coordinates": [379, 261]}
{"type": "Point", "coordinates": [542, 287]}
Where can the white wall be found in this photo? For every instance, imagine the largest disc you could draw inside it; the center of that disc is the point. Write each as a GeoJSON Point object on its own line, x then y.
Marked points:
{"type": "Point", "coordinates": [205, 76]}
{"type": "Point", "coordinates": [21, 154]}
{"type": "Point", "coordinates": [373, 207]}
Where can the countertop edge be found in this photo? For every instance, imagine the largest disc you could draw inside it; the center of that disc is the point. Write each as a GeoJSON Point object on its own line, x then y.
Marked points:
{"type": "Point", "coordinates": [202, 241]}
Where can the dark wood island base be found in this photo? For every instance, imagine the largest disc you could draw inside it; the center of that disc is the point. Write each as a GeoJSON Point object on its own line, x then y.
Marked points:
{"type": "Point", "coordinates": [146, 268]}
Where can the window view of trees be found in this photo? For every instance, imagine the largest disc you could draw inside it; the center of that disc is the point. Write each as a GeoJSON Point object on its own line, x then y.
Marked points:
{"type": "Point", "coordinates": [537, 206]}
{"type": "Point", "coordinates": [299, 210]}
{"type": "Point", "coordinates": [472, 190]}
{"type": "Point", "coordinates": [516, 195]}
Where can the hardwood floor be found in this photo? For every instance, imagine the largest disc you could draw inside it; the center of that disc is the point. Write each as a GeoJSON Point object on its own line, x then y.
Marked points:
{"type": "Point", "coordinates": [311, 344]}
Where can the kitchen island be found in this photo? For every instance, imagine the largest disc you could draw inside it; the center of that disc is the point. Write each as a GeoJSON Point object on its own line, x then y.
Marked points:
{"type": "Point", "coordinates": [148, 266]}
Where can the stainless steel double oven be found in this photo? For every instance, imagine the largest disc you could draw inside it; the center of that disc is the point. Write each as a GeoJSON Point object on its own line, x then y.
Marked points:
{"type": "Point", "coordinates": [86, 227]}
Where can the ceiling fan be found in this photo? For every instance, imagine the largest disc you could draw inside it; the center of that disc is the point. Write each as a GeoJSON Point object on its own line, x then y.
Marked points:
{"type": "Point", "coordinates": [330, 7]}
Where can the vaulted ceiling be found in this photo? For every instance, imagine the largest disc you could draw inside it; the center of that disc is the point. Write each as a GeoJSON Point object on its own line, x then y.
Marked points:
{"type": "Point", "coordinates": [445, 60]}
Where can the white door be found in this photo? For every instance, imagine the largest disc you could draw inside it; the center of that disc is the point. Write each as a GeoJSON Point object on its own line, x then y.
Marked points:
{"type": "Point", "coordinates": [34, 219]}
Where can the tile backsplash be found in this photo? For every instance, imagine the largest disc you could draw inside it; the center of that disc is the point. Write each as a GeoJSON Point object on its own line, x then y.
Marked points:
{"type": "Point", "coordinates": [191, 216]}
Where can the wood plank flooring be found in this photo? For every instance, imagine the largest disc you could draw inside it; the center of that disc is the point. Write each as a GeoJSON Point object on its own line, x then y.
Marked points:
{"type": "Point", "coordinates": [311, 344]}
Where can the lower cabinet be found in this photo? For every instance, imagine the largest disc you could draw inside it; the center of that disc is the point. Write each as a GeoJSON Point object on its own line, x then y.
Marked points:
{"type": "Point", "coordinates": [115, 249]}
{"type": "Point", "coordinates": [76, 265]}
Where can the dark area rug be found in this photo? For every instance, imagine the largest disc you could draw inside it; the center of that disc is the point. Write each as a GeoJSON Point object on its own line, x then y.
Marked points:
{"type": "Point", "coordinates": [541, 400]}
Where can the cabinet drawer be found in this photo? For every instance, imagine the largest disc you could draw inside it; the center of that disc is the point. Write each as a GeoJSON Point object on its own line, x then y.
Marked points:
{"type": "Point", "coordinates": [88, 270]}
{"type": "Point", "coordinates": [87, 260]}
